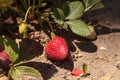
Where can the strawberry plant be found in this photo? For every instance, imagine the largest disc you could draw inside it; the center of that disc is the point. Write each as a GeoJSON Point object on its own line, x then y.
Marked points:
{"type": "Point", "coordinates": [69, 15]}
{"type": "Point", "coordinates": [31, 10]}
{"type": "Point", "coordinates": [13, 56]}
{"type": "Point", "coordinates": [21, 6]}
{"type": "Point", "coordinates": [23, 25]}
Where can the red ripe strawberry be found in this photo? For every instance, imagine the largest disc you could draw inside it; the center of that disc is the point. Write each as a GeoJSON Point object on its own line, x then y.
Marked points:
{"type": "Point", "coordinates": [57, 48]}
{"type": "Point", "coordinates": [5, 59]}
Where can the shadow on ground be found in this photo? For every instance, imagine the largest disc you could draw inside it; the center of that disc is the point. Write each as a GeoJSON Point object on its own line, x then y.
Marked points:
{"type": "Point", "coordinates": [102, 30]}
{"type": "Point", "coordinates": [87, 46]}
{"type": "Point", "coordinates": [46, 70]}
{"type": "Point", "coordinates": [66, 64]}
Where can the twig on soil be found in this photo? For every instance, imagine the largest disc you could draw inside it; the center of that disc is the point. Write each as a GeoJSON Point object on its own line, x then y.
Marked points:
{"type": "Point", "coordinates": [76, 54]}
{"type": "Point", "coordinates": [77, 49]}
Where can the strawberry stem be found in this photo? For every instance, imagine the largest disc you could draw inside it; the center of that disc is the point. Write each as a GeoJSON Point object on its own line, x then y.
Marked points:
{"type": "Point", "coordinates": [25, 19]}
{"type": "Point", "coordinates": [52, 33]}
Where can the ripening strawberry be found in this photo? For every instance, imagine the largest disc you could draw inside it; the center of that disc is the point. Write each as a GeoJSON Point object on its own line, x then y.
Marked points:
{"type": "Point", "coordinates": [22, 27]}
{"type": "Point", "coordinates": [57, 48]}
{"type": "Point", "coordinates": [5, 59]}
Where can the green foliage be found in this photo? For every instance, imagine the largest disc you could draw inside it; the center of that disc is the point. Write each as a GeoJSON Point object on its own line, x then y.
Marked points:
{"type": "Point", "coordinates": [14, 74]}
{"type": "Point", "coordinates": [23, 25]}
{"type": "Point", "coordinates": [10, 47]}
{"type": "Point", "coordinates": [30, 10]}
{"type": "Point", "coordinates": [98, 6]}
{"type": "Point", "coordinates": [74, 11]}
{"type": "Point", "coordinates": [23, 5]}
{"type": "Point", "coordinates": [69, 10]}
{"type": "Point", "coordinates": [79, 27]}
{"type": "Point", "coordinates": [93, 33]}
{"type": "Point", "coordinates": [93, 4]}
{"type": "Point", "coordinates": [58, 16]}
{"type": "Point", "coordinates": [69, 14]}
{"type": "Point", "coordinates": [18, 72]}
{"type": "Point", "coordinates": [22, 54]}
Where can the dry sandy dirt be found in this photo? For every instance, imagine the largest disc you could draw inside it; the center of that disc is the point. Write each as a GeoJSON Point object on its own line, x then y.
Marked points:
{"type": "Point", "coordinates": [102, 55]}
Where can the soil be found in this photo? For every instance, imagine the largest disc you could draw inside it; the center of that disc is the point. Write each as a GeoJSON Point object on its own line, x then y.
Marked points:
{"type": "Point", "coordinates": [102, 55]}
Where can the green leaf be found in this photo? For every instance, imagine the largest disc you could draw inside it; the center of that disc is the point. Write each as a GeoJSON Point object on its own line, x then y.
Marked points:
{"type": "Point", "coordinates": [21, 72]}
{"type": "Point", "coordinates": [5, 3]}
{"type": "Point", "coordinates": [29, 71]}
{"type": "Point", "coordinates": [58, 16]}
{"type": "Point", "coordinates": [15, 74]}
{"type": "Point", "coordinates": [65, 8]}
{"type": "Point", "coordinates": [86, 3]}
{"type": "Point", "coordinates": [97, 6]}
{"type": "Point", "coordinates": [10, 47]}
{"type": "Point", "coordinates": [29, 49]}
{"type": "Point", "coordinates": [76, 10]}
{"type": "Point", "coordinates": [93, 33]}
{"type": "Point", "coordinates": [79, 27]}
{"type": "Point", "coordinates": [91, 4]}
{"type": "Point", "coordinates": [69, 10]}
{"type": "Point", "coordinates": [65, 26]}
